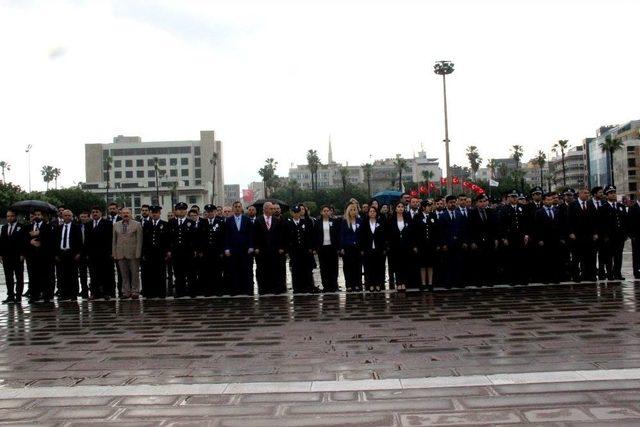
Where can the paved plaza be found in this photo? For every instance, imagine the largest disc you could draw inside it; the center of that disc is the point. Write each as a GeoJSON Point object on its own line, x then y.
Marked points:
{"type": "Point", "coordinates": [544, 354]}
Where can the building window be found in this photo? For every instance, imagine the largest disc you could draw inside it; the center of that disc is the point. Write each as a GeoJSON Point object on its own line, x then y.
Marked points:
{"type": "Point", "coordinates": [136, 201]}
{"type": "Point", "coordinates": [173, 172]}
{"type": "Point", "coordinates": [139, 163]}
{"type": "Point", "coordinates": [151, 162]}
{"type": "Point", "coordinates": [184, 161]}
{"type": "Point", "coordinates": [198, 182]}
{"type": "Point", "coordinates": [151, 184]}
{"type": "Point", "coordinates": [139, 174]}
{"type": "Point", "coordinates": [196, 162]}
{"type": "Point", "coordinates": [196, 151]}
{"type": "Point", "coordinates": [186, 182]}
{"type": "Point", "coordinates": [630, 148]}
{"type": "Point", "coordinates": [198, 173]}
{"type": "Point", "coordinates": [631, 163]}
{"type": "Point", "coordinates": [128, 163]}
{"type": "Point", "coordinates": [128, 174]}
{"type": "Point", "coordinates": [632, 173]}
{"type": "Point", "coordinates": [151, 173]}
{"type": "Point", "coordinates": [162, 162]}
{"type": "Point", "coordinates": [193, 199]}
{"type": "Point", "coordinates": [117, 163]}
{"type": "Point", "coordinates": [633, 186]}
{"type": "Point", "coordinates": [117, 174]}
{"type": "Point", "coordinates": [173, 161]}
{"type": "Point", "coordinates": [184, 172]}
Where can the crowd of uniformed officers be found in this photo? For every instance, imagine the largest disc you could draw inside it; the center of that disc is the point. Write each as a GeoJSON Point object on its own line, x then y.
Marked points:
{"type": "Point", "coordinates": [450, 242]}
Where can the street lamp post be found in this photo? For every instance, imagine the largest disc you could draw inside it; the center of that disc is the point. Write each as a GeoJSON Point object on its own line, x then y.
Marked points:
{"type": "Point", "coordinates": [443, 68]}
{"type": "Point", "coordinates": [214, 163]}
{"type": "Point", "coordinates": [28, 151]}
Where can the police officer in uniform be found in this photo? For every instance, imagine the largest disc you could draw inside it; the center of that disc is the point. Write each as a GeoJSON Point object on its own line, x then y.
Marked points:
{"type": "Point", "coordinates": [212, 252]}
{"type": "Point", "coordinates": [515, 239]}
{"type": "Point", "coordinates": [154, 252]}
{"type": "Point", "coordinates": [613, 230]}
{"type": "Point", "coordinates": [181, 250]}
{"type": "Point", "coordinates": [300, 248]}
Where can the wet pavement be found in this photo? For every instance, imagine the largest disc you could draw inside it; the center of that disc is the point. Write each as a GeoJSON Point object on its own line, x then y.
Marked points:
{"type": "Point", "coordinates": [337, 359]}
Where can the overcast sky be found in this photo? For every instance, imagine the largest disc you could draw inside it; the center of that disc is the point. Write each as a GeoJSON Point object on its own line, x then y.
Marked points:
{"type": "Point", "coordinates": [275, 79]}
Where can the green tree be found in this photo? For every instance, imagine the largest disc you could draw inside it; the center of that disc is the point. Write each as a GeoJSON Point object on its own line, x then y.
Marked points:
{"type": "Point", "coordinates": [56, 173]}
{"type": "Point", "coordinates": [474, 160]}
{"type": "Point", "coordinates": [401, 166]}
{"type": "Point", "coordinates": [293, 187]}
{"type": "Point", "coordinates": [540, 160]}
{"type": "Point", "coordinates": [5, 167]}
{"type": "Point", "coordinates": [516, 154]}
{"type": "Point", "coordinates": [74, 198]}
{"type": "Point", "coordinates": [367, 169]}
{"type": "Point", "coordinates": [344, 177]}
{"type": "Point", "coordinates": [269, 176]}
{"type": "Point", "coordinates": [313, 162]}
{"type": "Point", "coordinates": [611, 145]}
{"type": "Point", "coordinates": [47, 174]}
{"type": "Point", "coordinates": [562, 146]}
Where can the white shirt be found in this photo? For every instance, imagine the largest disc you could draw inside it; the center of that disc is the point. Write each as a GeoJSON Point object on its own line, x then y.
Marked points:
{"type": "Point", "coordinates": [400, 224]}
{"type": "Point", "coordinates": [372, 226]}
{"type": "Point", "coordinates": [326, 233]}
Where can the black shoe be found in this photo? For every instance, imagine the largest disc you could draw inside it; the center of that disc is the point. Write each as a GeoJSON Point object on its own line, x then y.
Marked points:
{"type": "Point", "coordinates": [17, 300]}
{"type": "Point", "coordinates": [9, 300]}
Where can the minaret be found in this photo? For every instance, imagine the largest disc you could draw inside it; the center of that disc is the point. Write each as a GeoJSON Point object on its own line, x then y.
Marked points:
{"type": "Point", "coordinates": [330, 157]}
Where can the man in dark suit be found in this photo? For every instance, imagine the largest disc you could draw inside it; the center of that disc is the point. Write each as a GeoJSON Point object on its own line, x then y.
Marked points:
{"type": "Point", "coordinates": [270, 249]}
{"type": "Point", "coordinates": [597, 199]}
{"type": "Point", "coordinates": [68, 248]}
{"type": "Point", "coordinates": [327, 246]}
{"type": "Point", "coordinates": [634, 234]}
{"type": "Point", "coordinates": [453, 242]}
{"type": "Point", "coordinates": [199, 236]}
{"type": "Point", "coordinates": [13, 240]}
{"type": "Point", "coordinates": [299, 241]}
{"type": "Point", "coordinates": [238, 276]}
{"type": "Point", "coordinates": [482, 223]}
{"type": "Point", "coordinates": [99, 236]}
{"type": "Point", "coordinates": [154, 253]}
{"type": "Point", "coordinates": [583, 236]}
{"type": "Point", "coordinates": [83, 266]}
{"type": "Point", "coordinates": [613, 231]}
{"type": "Point", "coordinates": [213, 235]}
{"type": "Point", "coordinates": [40, 264]}
{"type": "Point", "coordinates": [113, 216]}
{"type": "Point", "coordinates": [545, 235]}
{"type": "Point", "coordinates": [181, 238]}
{"type": "Point", "coordinates": [514, 231]}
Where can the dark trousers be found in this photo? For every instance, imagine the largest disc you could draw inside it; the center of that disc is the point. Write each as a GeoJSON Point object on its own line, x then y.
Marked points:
{"type": "Point", "coordinates": [482, 264]}
{"type": "Point", "coordinates": [67, 269]}
{"type": "Point", "coordinates": [549, 262]}
{"type": "Point", "coordinates": [515, 261]}
{"type": "Point", "coordinates": [374, 267]}
{"type": "Point", "coordinates": [154, 281]}
{"type": "Point", "coordinates": [83, 274]}
{"type": "Point", "coordinates": [211, 274]}
{"type": "Point", "coordinates": [301, 264]}
{"type": "Point", "coordinates": [197, 264]}
{"type": "Point", "coordinates": [328, 257]}
{"type": "Point", "coordinates": [352, 268]}
{"type": "Point", "coordinates": [635, 255]}
{"type": "Point", "coordinates": [13, 269]}
{"type": "Point", "coordinates": [102, 276]}
{"type": "Point", "coordinates": [269, 274]}
{"type": "Point", "coordinates": [238, 274]}
{"type": "Point", "coordinates": [612, 249]}
{"type": "Point", "coordinates": [182, 269]}
{"type": "Point", "coordinates": [584, 258]}
{"type": "Point", "coordinates": [41, 277]}
{"type": "Point", "coordinates": [602, 255]}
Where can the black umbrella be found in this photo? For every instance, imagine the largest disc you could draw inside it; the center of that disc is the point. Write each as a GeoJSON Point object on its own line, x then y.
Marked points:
{"type": "Point", "coordinates": [260, 202]}
{"type": "Point", "coordinates": [28, 206]}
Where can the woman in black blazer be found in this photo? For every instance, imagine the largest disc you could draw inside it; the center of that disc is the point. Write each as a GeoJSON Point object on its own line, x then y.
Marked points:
{"type": "Point", "coordinates": [350, 248]}
{"type": "Point", "coordinates": [327, 246]}
{"type": "Point", "coordinates": [373, 243]}
{"type": "Point", "coordinates": [399, 236]}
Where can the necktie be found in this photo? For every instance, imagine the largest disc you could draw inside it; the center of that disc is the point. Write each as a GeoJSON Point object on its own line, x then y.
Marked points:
{"type": "Point", "coordinates": [10, 229]}
{"type": "Point", "coordinates": [483, 215]}
{"type": "Point", "coordinates": [82, 228]}
{"type": "Point", "coordinates": [124, 227]}
{"type": "Point", "coordinates": [451, 215]}
{"type": "Point", "coordinates": [180, 222]}
{"type": "Point", "coordinates": [95, 224]}
{"type": "Point", "coordinates": [65, 237]}
{"type": "Point", "coordinates": [269, 223]}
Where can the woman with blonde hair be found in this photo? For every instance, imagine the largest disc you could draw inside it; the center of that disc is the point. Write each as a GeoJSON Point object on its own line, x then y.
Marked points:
{"type": "Point", "coordinates": [350, 248]}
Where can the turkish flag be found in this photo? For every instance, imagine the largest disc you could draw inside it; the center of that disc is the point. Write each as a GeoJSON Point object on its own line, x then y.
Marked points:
{"type": "Point", "coordinates": [414, 193]}
{"type": "Point", "coordinates": [443, 181]}
{"type": "Point", "coordinates": [456, 180]}
{"type": "Point", "coordinates": [432, 186]}
{"type": "Point", "coordinates": [423, 189]}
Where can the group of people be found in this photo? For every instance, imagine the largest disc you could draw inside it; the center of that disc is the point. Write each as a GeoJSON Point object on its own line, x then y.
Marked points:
{"type": "Point", "coordinates": [451, 241]}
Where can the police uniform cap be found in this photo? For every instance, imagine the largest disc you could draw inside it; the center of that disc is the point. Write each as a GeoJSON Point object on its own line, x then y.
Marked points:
{"type": "Point", "coordinates": [536, 189]}
{"type": "Point", "coordinates": [513, 193]}
{"type": "Point", "coordinates": [570, 191]}
{"type": "Point", "coordinates": [155, 208]}
{"type": "Point", "coordinates": [210, 207]}
{"type": "Point", "coordinates": [181, 206]}
{"type": "Point", "coordinates": [609, 189]}
{"type": "Point", "coordinates": [521, 196]}
{"type": "Point", "coordinates": [295, 209]}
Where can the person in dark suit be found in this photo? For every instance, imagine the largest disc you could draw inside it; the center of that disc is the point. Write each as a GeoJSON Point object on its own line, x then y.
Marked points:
{"type": "Point", "coordinates": [13, 240]}
{"type": "Point", "coordinates": [199, 236]}
{"type": "Point", "coordinates": [327, 247]}
{"type": "Point", "coordinates": [181, 237]}
{"type": "Point", "coordinates": [270, 248]}
{"type": "Point", "coordinates": [597, 199]}
{"type": "Point", "coordinates": [99, 235]}
{"type": "Point", "coordinates": [545, 236]}
{"type": "Point", "coordinates": [83, 265]}
{"type": "Point", "coordinates": [350, 248]}
{"type": "Point", "coordinates": [40, 263]}
{"type": "Point", "coordinates": [400, 239]}
{"type": "Point", "coordinates": [583, 235]}
{"type": "Point", "coordinates": [154, 255]}
{"type": "Point", "coordinates": [424, 243]}
{"type": "Point", "coordinates": [212, 252]}
{"type": "Point", "coordinates": [514, 226]}
{"type": "Point", "coordinates": [613, 230]}
{"type": "Point", "coordinates": [238, 249]}
{"type": "Point", "coordinates": [483, 242]}
{"type": "Point", "coordinates": [453, 241]}
{"type": "Point", "coordinates": [634, 233]}
{"type": "Point", "coordinates": [373, 244]}
{"type": "Point", "coordinates": [299, 240]}
{"type": "Point", "coordinates": [113, 216]}
{"type": "Point", "coordinates": [67, 249]}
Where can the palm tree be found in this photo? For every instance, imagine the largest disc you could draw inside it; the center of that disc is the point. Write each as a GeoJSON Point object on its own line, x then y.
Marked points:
{"type": "Point", "coordinates": [56, 173]}
{"type": "Point", "coordinates": [344, 175]}
{"type": "Point", "coordinates": [562, 146]}
{"type": "Point", "coordinates": [268, 174]}
{"type": "Point", "coordinates": [427, 175]}
{"type": "Point", "coordinates": [549, 178]}
{"type": "Point", "coordinates": [540, 160]}
{"type": "Point", "coordinates": [293, 186]}
{"type": "Point", "coordinates": [367, 168]}
{"type": "Point", "coordinates": [5, 167]}
{"type": "Point", "coordinates": [401, 166]}
{"type": "Point", "coordinates": [313, 161]}
{"type": "Point", "coordinates": [108, 162]}
{"type": "Point", "coordinates": [516, 154]}
{"type": "Point", "coordinates": [474, 160]}
{"type": "Point", "coordinates": [47, 174]}
{"type": "Point", "coordinates": [610, 146]}
{"type": "Point", "coordinates": [214, 162]}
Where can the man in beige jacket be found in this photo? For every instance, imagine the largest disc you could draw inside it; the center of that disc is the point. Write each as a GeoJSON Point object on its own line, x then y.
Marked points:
{"type": "Point", "coordinates": [127, 251]}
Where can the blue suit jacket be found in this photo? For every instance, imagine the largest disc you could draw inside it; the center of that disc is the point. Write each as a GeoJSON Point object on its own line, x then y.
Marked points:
{"type": "Point", "coordinates": [239, 241]}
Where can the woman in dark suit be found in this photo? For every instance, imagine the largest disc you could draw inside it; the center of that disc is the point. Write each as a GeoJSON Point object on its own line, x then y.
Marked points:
{"type": "Point", "coordinates": [350, 248]}
{"type": "Point", "coordinates": [424, 238]}
{"type": "Point", "coordinates": [327, 246]}
{"type": "Point", "coordinates": [400, 245]}
{"type": "Point", "coordinates": [373, 243]}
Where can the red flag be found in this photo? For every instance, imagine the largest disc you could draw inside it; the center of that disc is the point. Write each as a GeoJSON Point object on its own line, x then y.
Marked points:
{"type": "Point", "coordinates": [432, 186]}
{"type": "Point", "coordinates": [247, 195]}
{"type": "Point", "coordinates": [423, 189]}
{"type": "Point", "coordinates": [456, 180]}
{"type": "Point", "coordinates": [414, 193]}
{"type": "Point", "coordinates": [443, 181]}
